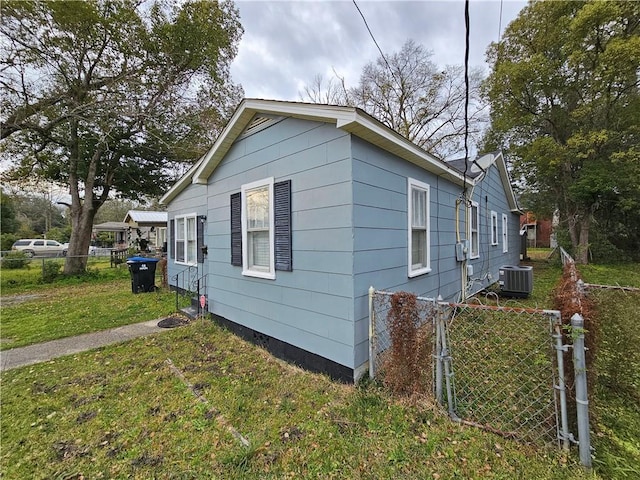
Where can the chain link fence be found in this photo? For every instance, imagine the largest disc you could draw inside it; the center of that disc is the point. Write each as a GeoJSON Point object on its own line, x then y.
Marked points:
{"type": "Point", "coordinates": [498, 368]}
{"type": "Point", "coordinates": [504, 366]}
{"type": "Point", "coordinates": [379, 335]}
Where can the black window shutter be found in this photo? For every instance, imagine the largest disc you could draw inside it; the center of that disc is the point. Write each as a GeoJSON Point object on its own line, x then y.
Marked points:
{"type": "Point", "coordinates": [236, 229]}
{"type": "Point", "coordinates": [282, 214]}
{"type": "Point", "coordinates": [171, 242]}
{"type": "Point", "coordinates": [200, 219]}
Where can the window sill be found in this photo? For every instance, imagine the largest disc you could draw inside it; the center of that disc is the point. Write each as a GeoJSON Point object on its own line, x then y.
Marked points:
{"type": "Point", "coordinates": [258, 274]}
{"type": "Point", "coordinates": [185, 263]}
{"type": "Point", "coordinates": [417, 273]}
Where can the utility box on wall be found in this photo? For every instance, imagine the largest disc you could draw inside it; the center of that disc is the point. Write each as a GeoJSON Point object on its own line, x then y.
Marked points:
{"type": "Point", "coordinates": [462, 250]}
{"type": "Point", "coordinates": [516, 281]}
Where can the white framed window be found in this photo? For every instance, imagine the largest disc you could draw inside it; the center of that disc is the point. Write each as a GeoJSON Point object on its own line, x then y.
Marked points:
{"type": "Point", "coordinates": [161, 236]}
{"type": "Point", "coordinates": [258, 259]}
{"type": "Point", "coordinates": [505, 234]}
{"type": "Point", "coordinates": [419, 256]}
{"type": "Point", "coordinates": [474, 223]}
{"type": "Point", "coordinates": [185, 241]}
{"type": "Point", "coordinates": [494, 228]}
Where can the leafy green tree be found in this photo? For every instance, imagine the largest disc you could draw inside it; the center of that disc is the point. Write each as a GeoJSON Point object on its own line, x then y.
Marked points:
{"type": "Point", "coordinates": [565, 103]}
{"type": "Point", "coordinates": [110, 96]}
{"type": "Point", "coordinates": [37, 213]}
{"type": "Point", "coordinates": [8, 222]}
{"type": "Point", "coordinates": [114, 210]}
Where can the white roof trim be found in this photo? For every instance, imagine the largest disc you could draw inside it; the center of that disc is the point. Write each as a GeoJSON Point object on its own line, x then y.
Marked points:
{"type": "Point", "coordinates": [350, 119]}
{"type": "Point", "coordinates": [498, 160]}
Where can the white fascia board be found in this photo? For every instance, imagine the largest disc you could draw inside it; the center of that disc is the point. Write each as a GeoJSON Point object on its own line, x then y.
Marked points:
{"type": "Point", "coordinates": [395, 143]}
{"type": "Point", "coordinates": [506, 182]}
{"type": "Point", "coordinates": [349, 119]}
{"type": "Point", "coordinates": [214, 156]}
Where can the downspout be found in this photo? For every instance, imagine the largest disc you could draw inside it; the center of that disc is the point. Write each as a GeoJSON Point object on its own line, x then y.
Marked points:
{"type": "Point", "coordinates": [463, 263]}
{"type": "Point", "coordinates": [467, 195]}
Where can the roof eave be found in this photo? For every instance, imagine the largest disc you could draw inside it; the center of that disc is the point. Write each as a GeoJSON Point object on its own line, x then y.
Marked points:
{"type": "Point", "coordinates": [349, 119]}
{"type": "Point", "coordinates": [506, 181]}
{"type": "Point", "coordinates": [180, 185]}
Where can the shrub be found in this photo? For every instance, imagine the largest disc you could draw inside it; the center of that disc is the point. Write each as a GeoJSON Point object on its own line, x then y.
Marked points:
{"type": "Point", "coordinates": [50, 271]}
{"type": "Point", "coordinates": [7, 240]}
{"type": "Point", "coordinates": [15, 260]}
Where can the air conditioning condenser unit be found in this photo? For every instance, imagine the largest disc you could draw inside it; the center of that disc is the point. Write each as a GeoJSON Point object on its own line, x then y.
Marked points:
{"type": "Point", "coordinates": [516, 281]}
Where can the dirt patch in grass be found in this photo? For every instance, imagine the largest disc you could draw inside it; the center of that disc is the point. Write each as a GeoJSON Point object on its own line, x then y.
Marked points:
{"type": "Point", "coordinates": [17, 299]}
{"type": "Point", "coordinates": [173, 322]}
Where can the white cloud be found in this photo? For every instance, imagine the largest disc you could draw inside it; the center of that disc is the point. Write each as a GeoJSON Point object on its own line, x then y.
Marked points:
{"type": "Point", "coordinates": [286, 44]}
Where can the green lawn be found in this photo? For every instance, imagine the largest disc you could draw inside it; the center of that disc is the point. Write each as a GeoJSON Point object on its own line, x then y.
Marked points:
{"type": "Point", "coordinates": [35, 312]}
{"type": "Point", "coordinates": [120, 411]}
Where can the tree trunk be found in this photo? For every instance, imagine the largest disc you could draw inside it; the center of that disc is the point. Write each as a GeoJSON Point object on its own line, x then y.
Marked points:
{"type": "Point", "coordinates": [582, 252]}
{"type": "Point", "coordinates": [81, 227]}
{"type": "Point", "coordinates": [578, 226]}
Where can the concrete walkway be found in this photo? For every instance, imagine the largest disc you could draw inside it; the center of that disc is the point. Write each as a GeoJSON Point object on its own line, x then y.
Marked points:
{"type": "Point", "coordinates": [43, 352]}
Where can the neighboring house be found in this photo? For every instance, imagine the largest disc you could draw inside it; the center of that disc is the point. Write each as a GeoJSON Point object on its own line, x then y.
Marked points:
{"type": "Point", "coordinates": [139, 229]}
{"type": "Point", "coordinates": [117, 231]}
{"type": "Point", "coordinates": [146, 228]}
{"type": "Point", "coordinates": [298, 209]}
{"type": "Point", "coordinates": [539, 230]}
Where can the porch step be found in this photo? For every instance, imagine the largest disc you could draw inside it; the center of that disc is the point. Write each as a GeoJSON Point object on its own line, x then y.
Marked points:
{"type": "Point", "coordinates": [190, 311]}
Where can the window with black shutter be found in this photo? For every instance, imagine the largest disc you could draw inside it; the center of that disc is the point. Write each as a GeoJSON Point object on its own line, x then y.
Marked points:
{"type": "Point", "coordinates": [171, 239]}
{"type": "Point", "coordinates": [255, 236]}
{"type": "Point", "coordinates": [236, 229]}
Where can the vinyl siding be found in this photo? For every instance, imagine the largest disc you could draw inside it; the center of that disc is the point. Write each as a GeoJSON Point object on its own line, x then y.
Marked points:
{"type": "Point", "coordinates": [190, 200]}
{"type": "Point", "coordinates": [311, 306]}
{"type": "Point", "coordinates": [380, 234]}
{"type": "Point", "coordinates": [490, 195]}
{"type": "Point", "coordinates": [349, 232]}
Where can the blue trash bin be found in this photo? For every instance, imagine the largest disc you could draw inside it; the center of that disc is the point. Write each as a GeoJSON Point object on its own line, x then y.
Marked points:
{"type": "Point", "coordinates": [143, 273]}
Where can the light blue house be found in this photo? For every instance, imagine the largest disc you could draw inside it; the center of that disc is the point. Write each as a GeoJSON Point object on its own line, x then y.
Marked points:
{"type": "Point", "coordinates": [299, 208]}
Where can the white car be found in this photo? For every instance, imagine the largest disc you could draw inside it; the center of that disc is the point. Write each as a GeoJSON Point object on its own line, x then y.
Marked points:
{"type": "Point", "coordinates": [93, 250]}
{"type": "Point", "coordinates": [40, 247]}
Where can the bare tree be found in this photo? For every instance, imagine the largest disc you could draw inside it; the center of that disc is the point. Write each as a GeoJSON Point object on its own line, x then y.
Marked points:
{"type": "Point", "coordinates": [413, 96]}
{"type": "Point", "coordinates": [330, 92]}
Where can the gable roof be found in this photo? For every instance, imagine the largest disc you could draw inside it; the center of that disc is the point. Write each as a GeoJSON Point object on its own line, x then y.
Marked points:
{"type": "Point", "coordinates": [146, 218]}
{"type": "Point", "coordinates": [350, 119]}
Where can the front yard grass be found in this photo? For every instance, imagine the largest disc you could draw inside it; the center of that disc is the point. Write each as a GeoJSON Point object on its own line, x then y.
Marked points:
{"type": "Point", "coordinates": [70, 306]}
{"type": "Point", "coordinates": [120, 412]}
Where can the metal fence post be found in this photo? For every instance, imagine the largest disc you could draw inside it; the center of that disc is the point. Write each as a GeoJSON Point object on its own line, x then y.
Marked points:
{"type": "Point", "coordinates": [582, 399]}
{"type": "Point", "coordinates": [372, 360]}
{"type": "Point", "coordinates": [438, 351]}
{"type": "Point", "coordinates": [448, 374]}
{"type": "Point", "coordinates": [560, 349]}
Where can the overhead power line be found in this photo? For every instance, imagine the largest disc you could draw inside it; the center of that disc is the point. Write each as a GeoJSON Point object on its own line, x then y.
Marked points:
{"type": "Point", "coordinates": [372, 37]}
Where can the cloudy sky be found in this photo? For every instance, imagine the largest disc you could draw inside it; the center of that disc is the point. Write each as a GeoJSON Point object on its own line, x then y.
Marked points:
{"type": "Point", "coordinates": [287, 43]}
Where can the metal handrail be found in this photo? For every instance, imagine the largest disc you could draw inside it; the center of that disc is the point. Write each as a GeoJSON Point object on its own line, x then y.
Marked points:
{"type": "Point", "coordinates": [187, 271]}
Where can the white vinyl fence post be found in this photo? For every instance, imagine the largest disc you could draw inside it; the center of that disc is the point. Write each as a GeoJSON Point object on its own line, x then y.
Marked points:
{"type": "Point", "coordinates": [582, 399]}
